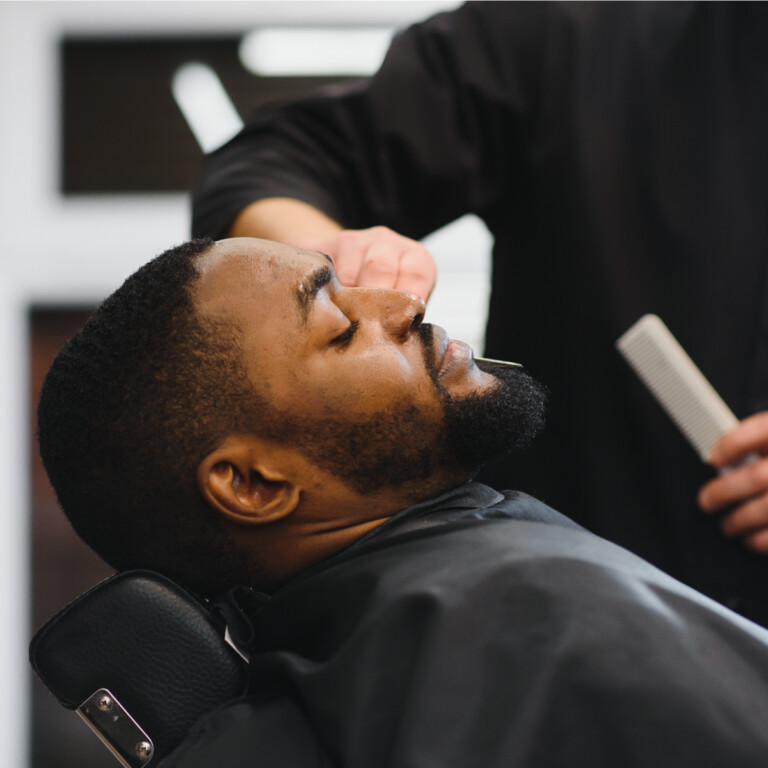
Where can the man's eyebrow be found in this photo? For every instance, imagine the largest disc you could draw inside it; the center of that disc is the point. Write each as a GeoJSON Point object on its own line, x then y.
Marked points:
{"type": "Point", "coordinates": [310, 286]}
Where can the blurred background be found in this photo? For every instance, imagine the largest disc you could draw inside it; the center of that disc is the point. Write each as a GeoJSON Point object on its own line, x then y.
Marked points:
{"type": "Point", "coordinates": [105, 111]}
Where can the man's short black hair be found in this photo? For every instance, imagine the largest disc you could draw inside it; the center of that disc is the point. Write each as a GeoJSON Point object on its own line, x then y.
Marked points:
{"type": "Point", "coordinates": [130, 407]}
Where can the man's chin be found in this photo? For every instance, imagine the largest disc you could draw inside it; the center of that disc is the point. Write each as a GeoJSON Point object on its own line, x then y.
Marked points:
{"type": "Point", "coordinates": [503, 415]}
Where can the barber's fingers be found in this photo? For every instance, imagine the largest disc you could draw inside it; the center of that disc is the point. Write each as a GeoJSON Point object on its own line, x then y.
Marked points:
{"type": "Point", "coordinates": [347, 254]}
{"type": "Point", "coordinates": [418, 272]}
{"type": "Point", "coordinates": [381, 258]}
{"type": "Point", "coordinates": [747, 517]}
{"type": "Point", "coordinates": [750, 523]}
{"type": "Point", "coordinates": [404, 265]}
{"type": "Point", "coordinates": [743, 493]}
{"type": "Point", "coordinates": [749, 436]}
{"type": "Point", "coordinates": [380, 266]}
{"type": "Point", "coordinates": [758, 540]}
{"type": "Point", "coordinates": [734, 487]}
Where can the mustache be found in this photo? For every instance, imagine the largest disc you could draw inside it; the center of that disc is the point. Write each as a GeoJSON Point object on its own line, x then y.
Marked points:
{"type": "Point", "coordinates": [425, 335]}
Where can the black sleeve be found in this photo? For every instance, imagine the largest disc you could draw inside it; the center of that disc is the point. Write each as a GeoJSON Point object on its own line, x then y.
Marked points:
{"type": "Point", "coordinates": [433, 135]}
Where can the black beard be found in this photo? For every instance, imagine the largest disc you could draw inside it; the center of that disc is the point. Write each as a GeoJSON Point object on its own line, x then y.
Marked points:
{"type": "Point", "coordinates": [404, 447]}
{"type": "Point", "coordinates": [484, 425]}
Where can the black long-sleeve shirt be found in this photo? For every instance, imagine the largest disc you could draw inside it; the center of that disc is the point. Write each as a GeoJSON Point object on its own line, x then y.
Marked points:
{"type": "Point", "coordinates": [617, 154]}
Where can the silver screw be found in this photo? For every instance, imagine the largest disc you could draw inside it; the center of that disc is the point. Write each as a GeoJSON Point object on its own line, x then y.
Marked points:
{"type": "Point", "coordinates": [144, 749]}
{"type": "Point", "coordinates": [104, 703]}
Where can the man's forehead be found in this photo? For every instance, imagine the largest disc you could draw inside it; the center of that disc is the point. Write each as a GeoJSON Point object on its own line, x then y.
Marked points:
{"type": "Point", "coordinates": [237, 264]}
{"type": "Point", "coordinates": [255, 252]}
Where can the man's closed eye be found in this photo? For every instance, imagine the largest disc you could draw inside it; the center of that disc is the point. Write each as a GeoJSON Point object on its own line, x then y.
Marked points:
{"type": "Point", "coordinates": [344, 339]}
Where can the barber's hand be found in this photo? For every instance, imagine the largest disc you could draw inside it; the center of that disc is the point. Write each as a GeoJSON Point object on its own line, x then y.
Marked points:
{"type": "Point", "coordinates": [380, 258]}
{"type": "Point", "coordinates": [744, 489]}
{"type": "Point", "coordinates": [370, 258]}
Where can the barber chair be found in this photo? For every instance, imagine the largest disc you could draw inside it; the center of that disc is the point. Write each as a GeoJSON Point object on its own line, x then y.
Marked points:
{"type": "Point", "coordinates": [141, 660]}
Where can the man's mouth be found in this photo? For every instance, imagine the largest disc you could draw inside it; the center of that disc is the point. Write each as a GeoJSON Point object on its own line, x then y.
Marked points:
{"type": "Point", "coordinates": [457, 354]}
{"type": "Point", "coordinates": [441, 353]}
{"type": "Point", "coordinates": [449, 353]}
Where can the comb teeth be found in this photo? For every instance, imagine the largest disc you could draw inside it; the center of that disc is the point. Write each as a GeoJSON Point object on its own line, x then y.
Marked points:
{"type": "Point", "coordinates": [676, 382]}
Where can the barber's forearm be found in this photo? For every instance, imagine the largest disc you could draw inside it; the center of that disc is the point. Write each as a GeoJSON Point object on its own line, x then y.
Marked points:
{"type": "Point", "coordinates": [286, 220]}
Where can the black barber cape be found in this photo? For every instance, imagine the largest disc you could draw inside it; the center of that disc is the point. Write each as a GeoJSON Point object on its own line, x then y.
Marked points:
{"type": "Point", "coordinates": [485, 630]}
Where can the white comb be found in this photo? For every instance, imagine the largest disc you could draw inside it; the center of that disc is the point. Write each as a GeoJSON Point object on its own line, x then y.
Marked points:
{"type": "Point", "coordinates": [676, 382]}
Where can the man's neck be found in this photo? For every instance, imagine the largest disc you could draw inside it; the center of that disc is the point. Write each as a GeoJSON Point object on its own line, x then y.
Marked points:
{"type": "Point", "coordinates": [335, 517]}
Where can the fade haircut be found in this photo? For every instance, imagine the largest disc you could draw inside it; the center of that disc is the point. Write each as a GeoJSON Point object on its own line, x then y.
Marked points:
{"type": "Point", "coordinates": [129, 408]}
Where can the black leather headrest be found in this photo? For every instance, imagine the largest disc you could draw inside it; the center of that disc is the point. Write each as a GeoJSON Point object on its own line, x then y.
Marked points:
{"type": "Point", "coordinates": [148, 641]}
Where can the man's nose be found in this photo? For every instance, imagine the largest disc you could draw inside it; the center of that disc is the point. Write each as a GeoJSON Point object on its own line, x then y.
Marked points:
{"type": "Point", "coordinates": [399, 313]}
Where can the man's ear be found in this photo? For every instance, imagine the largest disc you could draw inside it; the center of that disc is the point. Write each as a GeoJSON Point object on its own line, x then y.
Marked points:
{"type": "Point", "coordinates": [242, 480]}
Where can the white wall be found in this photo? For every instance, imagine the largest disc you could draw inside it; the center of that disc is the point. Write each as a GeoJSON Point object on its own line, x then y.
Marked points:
{"type": "Point", "coordinates": [78, 250]}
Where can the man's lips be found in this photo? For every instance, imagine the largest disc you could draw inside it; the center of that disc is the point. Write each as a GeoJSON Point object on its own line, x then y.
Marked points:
{"type": "Point", "coordinates": [457, 354]}
{"type": "Point", "coordinates": [449, 352]}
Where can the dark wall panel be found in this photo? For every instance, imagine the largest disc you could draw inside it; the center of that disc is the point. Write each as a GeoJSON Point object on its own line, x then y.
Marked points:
{"type": "Point", "coordinates": [121, 129]}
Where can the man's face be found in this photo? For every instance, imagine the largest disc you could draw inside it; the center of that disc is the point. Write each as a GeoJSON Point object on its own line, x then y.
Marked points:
{"type": "Point", "coordinates": [352, 376]}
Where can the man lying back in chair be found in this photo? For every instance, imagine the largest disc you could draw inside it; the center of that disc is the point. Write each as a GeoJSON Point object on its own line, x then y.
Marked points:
{"type": "Point", "coordinates": [232, 415]}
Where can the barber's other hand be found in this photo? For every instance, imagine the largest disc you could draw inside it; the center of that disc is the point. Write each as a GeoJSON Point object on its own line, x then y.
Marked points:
{"type": "Point", "coordinates": [380, 258]}
{"type": "Point", "coordinates": [742, 490]}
